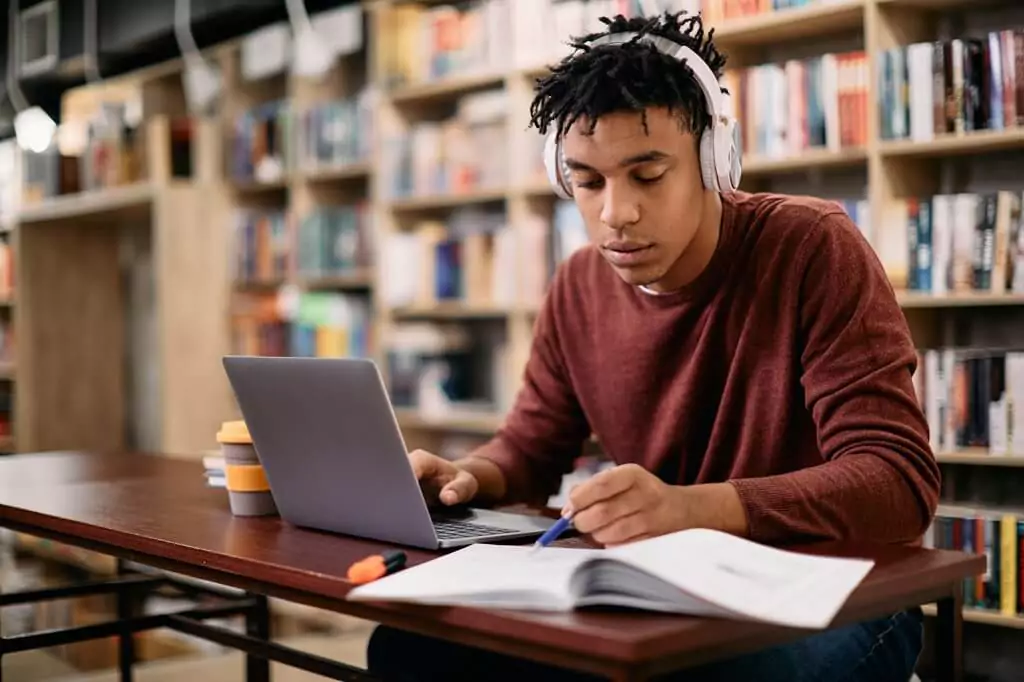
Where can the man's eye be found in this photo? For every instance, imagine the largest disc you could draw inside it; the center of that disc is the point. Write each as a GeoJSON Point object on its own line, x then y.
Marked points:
{"type": "Point", "coordinates": [649, 180]}
{"type": "Point", "coordinates": [588, 183]}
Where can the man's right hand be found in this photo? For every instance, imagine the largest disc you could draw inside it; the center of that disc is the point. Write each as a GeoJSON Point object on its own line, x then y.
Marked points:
{"type": "Point", "coordinates": [441, 480]}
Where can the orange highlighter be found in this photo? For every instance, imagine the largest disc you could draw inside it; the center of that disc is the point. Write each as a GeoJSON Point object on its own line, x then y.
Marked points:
{"type": "Point", "coordinates": [376, 566]}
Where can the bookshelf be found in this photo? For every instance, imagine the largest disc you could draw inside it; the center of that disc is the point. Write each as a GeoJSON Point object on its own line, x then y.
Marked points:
{"type": "Point", "coordinates": [478, 111]}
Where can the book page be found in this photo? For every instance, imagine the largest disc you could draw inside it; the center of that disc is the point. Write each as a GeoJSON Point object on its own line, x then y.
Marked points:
{"type": "Point", "coordinates": [487, 575]}
{"type": "Point", "coordinates": [750, 580]}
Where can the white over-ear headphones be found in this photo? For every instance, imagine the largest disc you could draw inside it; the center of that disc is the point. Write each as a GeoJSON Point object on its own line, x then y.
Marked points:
{"type": "Point", "coordinates": [720, 162]}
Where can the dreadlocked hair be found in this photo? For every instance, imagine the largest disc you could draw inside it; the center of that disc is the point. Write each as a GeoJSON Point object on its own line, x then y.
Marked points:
{"type": "Point", "coordinates": [632, 76]}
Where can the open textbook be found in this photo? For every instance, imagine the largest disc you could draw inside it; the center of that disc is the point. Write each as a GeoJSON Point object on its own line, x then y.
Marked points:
{"type": "Point", "coordinates": [696, 572]}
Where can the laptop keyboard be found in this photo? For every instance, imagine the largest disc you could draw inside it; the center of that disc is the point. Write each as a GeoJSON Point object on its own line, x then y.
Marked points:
{"type": "Point", "coordinates": [454, 530]}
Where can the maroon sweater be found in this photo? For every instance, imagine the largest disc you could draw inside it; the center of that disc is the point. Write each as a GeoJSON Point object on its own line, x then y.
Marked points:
{"type": "Point", "coordinates": [784, 368]}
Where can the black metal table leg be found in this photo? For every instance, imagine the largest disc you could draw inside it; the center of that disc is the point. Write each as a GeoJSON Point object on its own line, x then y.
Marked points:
{"type": "Point", "coordinates": [949, 660]}
{"type": "Point", "coordinates": [126, 638]}
{"type": "Point", "coordinates": [257, 625]}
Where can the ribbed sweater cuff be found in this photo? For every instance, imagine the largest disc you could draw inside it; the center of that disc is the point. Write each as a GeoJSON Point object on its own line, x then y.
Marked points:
{"type": "Point", "coordinates": [766, 501]}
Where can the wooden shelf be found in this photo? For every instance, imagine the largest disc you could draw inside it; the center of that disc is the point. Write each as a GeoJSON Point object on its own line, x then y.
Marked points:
{"type": "Point", "coordinates": [985, 616]}
{"type": "Point", "coordinates": [8, 444]}
{"type": "Point", "coordinates": [258, 285]}
{"type": "Point", "coordinates": [913, 299]}
{"type": "Point", "coordinates": [452, 310]}
{"type": "Point", "coordinates": [468, 422]}
{"type": "Point", "coordinates": [815, 20]}
{"type": "Point", "coordinates": [445, 201]}
{"type": "Point", "coordinates": [980, 457]}
{"type": "Point", "coordinates": [127, 199]}
{"type": "Point", "coordinates": [1009, 139]}
{"type": "Point", "coordinates": [355, 171]}
{"type": "Point", "coordinates": [444, 90]}
{"type": "Point", "coordinates": [357, 279]}
{"type": "Point", "coordinates": [938, 4]}
{"type": "Point", "coordinates": [807, 160]}
{"type": "Point", "coordinates": [252, 187]}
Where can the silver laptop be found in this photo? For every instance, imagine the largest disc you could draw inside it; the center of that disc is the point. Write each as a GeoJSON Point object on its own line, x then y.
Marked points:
{"type": "Point", "coordinates": [335, 459]}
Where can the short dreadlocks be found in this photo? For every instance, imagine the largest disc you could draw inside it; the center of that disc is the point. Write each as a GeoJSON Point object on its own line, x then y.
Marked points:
{"type": "Point", "coordinates": [593, 81]}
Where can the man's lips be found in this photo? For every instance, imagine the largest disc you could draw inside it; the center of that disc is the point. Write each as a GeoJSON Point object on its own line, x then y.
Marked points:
{"type": "Point", "coordinates": [625, 247]}
{"type": "Point", "coordinates": [624, 254]}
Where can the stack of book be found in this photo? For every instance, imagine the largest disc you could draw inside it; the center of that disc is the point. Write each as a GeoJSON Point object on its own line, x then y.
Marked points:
{"type": "Point", "coordinates": [213, 470]}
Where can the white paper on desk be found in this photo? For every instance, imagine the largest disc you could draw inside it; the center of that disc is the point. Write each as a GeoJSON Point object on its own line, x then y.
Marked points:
{"type": "Point", "coordinates": [697, 572]}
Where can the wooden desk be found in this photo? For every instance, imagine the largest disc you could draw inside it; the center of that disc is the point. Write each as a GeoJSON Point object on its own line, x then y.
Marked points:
{"type": "Point", "coordinates": [158, 511]}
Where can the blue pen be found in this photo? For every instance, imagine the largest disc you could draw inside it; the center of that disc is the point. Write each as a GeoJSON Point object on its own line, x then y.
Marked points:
{"type": "Point", "coordinates": [552, 533]}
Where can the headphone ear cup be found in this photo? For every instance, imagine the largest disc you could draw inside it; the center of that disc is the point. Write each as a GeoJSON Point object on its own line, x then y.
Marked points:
{"type": "Point", "coordinates": [555, 168]}
{"type": "Point", "coordinates": [728, 165]}
{"type": "Point", "coordinates": [708, 172]}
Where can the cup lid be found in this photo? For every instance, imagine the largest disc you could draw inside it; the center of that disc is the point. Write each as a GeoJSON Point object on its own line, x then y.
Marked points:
{"type": "Point", "coordinates": [234, 432]}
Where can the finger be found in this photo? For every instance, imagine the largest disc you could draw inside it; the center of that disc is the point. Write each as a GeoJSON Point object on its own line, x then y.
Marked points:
{"type": "Point", "coordinates": [623, 530]}
{"type": "Point", "coordinates": [460, 489]}
{"type": "Point", "coordinates": [607, 484]}
{"type": "Point", "coordinates": [423, 463]}
{"type": "Point", "coordinates": [605, 513]}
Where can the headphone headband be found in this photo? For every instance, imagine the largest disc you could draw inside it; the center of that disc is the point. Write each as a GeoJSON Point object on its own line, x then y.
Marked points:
{"type": "Point", "coordinates": [717, 102]}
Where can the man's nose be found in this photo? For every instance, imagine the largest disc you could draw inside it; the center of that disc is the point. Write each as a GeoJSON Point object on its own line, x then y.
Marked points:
{"type": "Point", "coordinates": [620, 208]}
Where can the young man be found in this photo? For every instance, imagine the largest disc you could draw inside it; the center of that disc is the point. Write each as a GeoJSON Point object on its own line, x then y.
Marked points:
{"type": "Point", "coordinates": [741, 357]}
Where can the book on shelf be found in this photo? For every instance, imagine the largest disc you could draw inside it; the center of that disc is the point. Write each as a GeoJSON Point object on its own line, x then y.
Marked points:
{"type": "Point", "coordinates": [262, 246]}
{"type": "Point", "coordinates": [302, 324]}
{"type": "Point", "coordinates": [275, 138]}
{"type": "Point", "coordinates": [7, 270]}
{"type": "Point", "coordinates": [260, 144]}
{"type": "Point", "coordinates": [336, 133]}
{"type": "Point", "coordinates": [334, 240]}
{"type": "Point", "coordinates": [972, 398]}
{"type": "Point", "coordinates": [442, 370]}
{"type": "Point", "coordinates": [470, 258]}
{"type": "Point", "coordinates": [999, 538]}
{"type": "Point", "coordinates": [954, 243]}
{"type": "Point", "coordinates": [421, 43]}
{"type": "Point", "coordinates": [859, 211]}
{"type": "Point", "coordinates": [965, 84]}
{"type": "Point", "coordinates": [440, 157]}
{"type": "Point", "coordinates": [717, 11]}
{"type": "Point", "coordinates": [786, 108]}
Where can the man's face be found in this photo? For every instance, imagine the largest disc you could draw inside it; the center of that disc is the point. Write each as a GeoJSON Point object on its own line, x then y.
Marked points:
{"type": "Point", "coordinates": [640, 192]}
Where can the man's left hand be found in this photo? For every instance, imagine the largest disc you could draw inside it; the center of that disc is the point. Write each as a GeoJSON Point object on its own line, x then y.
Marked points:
{"type": "Point", "coordinates": [628, 503]}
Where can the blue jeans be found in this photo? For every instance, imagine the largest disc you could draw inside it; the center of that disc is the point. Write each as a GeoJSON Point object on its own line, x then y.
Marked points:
{"type": "Point", "coordinates": [884, 650]}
